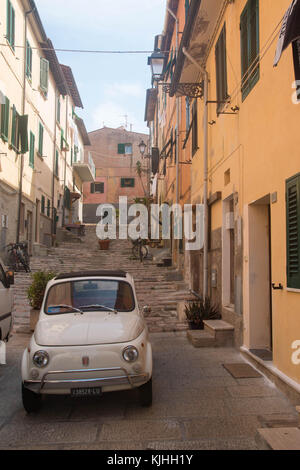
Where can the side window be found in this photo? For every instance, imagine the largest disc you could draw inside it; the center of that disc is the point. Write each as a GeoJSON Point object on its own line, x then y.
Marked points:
{"type": "Point", "coordinates": [221, 69]}
{"type": "Point", "coordinates": [293, 231]}
{"type": "Point", "coordinates": [249, 26]}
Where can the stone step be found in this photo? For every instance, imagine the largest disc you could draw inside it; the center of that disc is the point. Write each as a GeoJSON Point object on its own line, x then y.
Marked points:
{"type": "Point", "coordinates": [221, 331]}
{"type": "Point", "coordinates": [201, 339]}
{"type": "Point", "coordinates": [279, 438]}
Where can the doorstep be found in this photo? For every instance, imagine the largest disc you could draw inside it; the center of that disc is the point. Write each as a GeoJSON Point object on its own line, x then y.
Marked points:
{"type": "Point", "coordinates": [287, 385]}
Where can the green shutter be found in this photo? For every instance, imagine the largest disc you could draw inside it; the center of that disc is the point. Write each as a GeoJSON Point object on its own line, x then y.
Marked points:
{"type": "Point", "coordinates": [44, 75]}
{"type": "Point", "coordinates": [13, 127]}
{"type": "Point", "coordinates": [58, 110]}
{"type": "Point", "coordinates": [293, 232]}
{"type": "Point", "coordinates": [249, 26]}
{"type": "Point", "coordinates": [10, 24]}
{"type": "Point", "coordinates": [23, 133]}
{"type": "Point", "coordinates": [92, 188]}
{"type": "Point", "coordinates": [28, 60]}
{"type": "Point", "coordinates": [43, 205]}
{"type": "Point", "coordinates": [48, 208]}
{"type": "Point", "coordinates": [41, 139]}
{"type": "Point", "coordinates": [221, 69]}
{"type": "Point", "coordinates": [121, 149]}
{"type": "Point", "coordinates": [31, 150]}
{"type": "Point", "coordinates": [67, 198]}
{"type": "Point", "coordinates": [187, 7]}
{"type": "Point", "coordinates": [5, 119]}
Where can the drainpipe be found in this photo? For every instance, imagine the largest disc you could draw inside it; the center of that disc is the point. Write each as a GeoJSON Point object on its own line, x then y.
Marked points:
{"type": "Point", "coordinates": [53, 168]}
{"type": "Point", "coordinates": [27, 13]}
{"type": "Point", "coordinates": [205, 171]}
{"type": "Point", "coordinates": [65, 170]}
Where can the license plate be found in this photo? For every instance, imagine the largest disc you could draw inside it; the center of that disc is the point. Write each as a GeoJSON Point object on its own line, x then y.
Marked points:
{"type": "Point", "coordinates": [86, 392]}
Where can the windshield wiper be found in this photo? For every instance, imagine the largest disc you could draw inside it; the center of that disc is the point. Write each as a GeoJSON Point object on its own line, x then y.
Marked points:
{"type": "Point", "coordinates": [100, 306]}
{"type": "Point", "coordinates": [74, 309]}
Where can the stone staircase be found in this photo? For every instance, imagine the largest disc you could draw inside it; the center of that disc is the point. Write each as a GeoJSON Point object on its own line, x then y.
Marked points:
{"type": "Point", "coordinates": [161, 288]}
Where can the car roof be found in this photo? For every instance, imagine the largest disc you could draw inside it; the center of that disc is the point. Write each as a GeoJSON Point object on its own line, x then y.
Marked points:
{"type": "Point", "coordinates": [98, 273]}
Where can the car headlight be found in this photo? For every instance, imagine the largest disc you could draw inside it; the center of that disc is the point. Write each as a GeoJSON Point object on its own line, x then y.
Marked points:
{"type": "Point", "coordinates": [41, 359]}
{"type": "Point", "coordinates": [130, 354]}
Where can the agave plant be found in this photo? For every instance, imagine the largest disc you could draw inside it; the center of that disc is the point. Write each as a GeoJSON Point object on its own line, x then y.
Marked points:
{"type": "Point", "coordinates": [200, 310]}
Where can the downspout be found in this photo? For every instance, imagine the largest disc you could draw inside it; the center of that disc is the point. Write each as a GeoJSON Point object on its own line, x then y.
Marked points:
{"type": "Point", "coordinates": [53, 169]}
{"type": "Point", "coordinates": [205, 171]}
{"type": "Point", "coordinates": [65, 170]}
{"type": "Point", "coordinates": [27, 13]}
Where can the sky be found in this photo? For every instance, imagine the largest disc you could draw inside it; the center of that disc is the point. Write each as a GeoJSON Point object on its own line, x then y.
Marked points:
{"type": "Point", "coordinates": [110, 86]}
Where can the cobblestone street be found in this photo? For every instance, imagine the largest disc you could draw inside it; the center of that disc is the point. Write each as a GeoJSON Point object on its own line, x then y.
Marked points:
{"type": "Point", "coordinates": [197, 404]}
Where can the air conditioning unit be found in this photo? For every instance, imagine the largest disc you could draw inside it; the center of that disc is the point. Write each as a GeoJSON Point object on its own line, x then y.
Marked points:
{"type": "Point", "coordinates": [229, 221]}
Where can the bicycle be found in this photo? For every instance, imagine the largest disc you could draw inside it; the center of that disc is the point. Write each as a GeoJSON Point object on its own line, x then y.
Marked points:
{"type": "Point", "coordinates": [18, 256]}
{"type": "Point", "coordinates": [139, 249]}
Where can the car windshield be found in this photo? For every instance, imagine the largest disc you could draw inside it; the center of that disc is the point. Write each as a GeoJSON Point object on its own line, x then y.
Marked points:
{"type": "Point", "coordinates": [90, 295]}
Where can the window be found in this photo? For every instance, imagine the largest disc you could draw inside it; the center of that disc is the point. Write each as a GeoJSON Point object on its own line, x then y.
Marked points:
{"type": "Point", "coordinates": [31, 150]}
{"type": "Point", "coordinates": [5, 119]}
{"type": "Point", "coordinates": [14, 128]}
{"type": "Point", "coordinates": [44, 75]}
{"type": "Point", "coordinates": [293, 231]}
{"type": "Point", "coordinates": [28, 61]}
{"type": "Point", "coordinates": [10, 25]}
{"type": "Point", "coordinates": [48, 207]}
{"type": "Point", "coordinates": [221, 69]}
{"type": "Point", "coordinates": [43, 205]}
{"type": "Point", "coordinates": [97, 188]}
{"type": "Point", "coordinates": [128, 149]}
{"type": "Point", "coordinates": [195, 129]}
{"type": "Point", "coordinates": [249, 46]}
{"type": "Point", "coordinates": [41, 139]}
{"type": "Point", "coordinates": [125, 149]}
{"type": "Point", "coordinates": [187, 7]}
{"type": "Point", "coordinates": [127, 182]}
{"type": "Point", "coordinates": [187, 111]}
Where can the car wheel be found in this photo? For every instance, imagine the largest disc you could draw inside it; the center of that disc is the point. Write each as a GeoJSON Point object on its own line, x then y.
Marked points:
{"type": "Point", "coordinates": [145, 392]}
{"type": "Point", "coordinates": [31, 401]}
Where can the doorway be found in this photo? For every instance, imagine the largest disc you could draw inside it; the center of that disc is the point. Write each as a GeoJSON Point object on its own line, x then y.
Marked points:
{"type": "Point", "coordinates": [260, 278]}
{"type": "Point", "coordinates": [29, 232]}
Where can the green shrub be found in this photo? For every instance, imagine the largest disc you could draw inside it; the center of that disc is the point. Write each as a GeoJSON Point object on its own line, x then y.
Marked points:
{"type": "Point", "coordinates": [36, 291]}
{"type": "Point", "coordinates": [200, 310]}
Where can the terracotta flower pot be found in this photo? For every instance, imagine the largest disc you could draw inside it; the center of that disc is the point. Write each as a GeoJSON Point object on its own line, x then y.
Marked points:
{"type": "Point", "coordinates": [104, 244]}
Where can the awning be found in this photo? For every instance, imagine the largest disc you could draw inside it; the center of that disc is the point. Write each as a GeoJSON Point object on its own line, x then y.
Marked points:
{"type": "Point", "coordinates": [290, 29]}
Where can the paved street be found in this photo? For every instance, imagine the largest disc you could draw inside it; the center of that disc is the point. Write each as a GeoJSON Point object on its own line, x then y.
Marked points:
{"type": "Point", "coordinates": [197, 403]}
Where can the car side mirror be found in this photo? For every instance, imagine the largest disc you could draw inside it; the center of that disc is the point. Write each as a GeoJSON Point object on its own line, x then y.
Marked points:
{"type": "Point", "coordinates": [146, 310]}
{"type": "Point", "coordinates": [10, 277]}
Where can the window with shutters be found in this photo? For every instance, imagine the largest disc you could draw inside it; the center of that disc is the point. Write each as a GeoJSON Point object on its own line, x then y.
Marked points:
{"type": "Point", "coordinates": [10, 25]}
{"type": "Point", "coordinates": [128, 149]}
{"type": "Point", "coordinates": [44, 76]}
{"type": "Point", "coordinates": [14, 129]}
{"type": "Point", "coordinates": [28, 61]}
{"type": "Point", "coordinates": [41, 140]}
{"type": "Point", "coordinates": [48, 207]}
{"type": "Point", "coordinates": [31, 150]}
{"type": "Point", "coordinates": [249, 26]}
{"type": "Point", "coordinates": [293, 231]}
{"type": "Point", "coordinates": [58, 109]}
{"type": "Point", "coordinates": [97, 188]}
{"type": "Point", "coordinates": [5, 119]}
{"type": "Point", "coordinates": [221, 70]}
{"type": "Point", "coordinates": [127, 182]}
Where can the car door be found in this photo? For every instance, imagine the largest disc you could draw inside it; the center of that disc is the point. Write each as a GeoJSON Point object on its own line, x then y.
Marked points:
{"type": "Point", "coordinates": [5, 304]}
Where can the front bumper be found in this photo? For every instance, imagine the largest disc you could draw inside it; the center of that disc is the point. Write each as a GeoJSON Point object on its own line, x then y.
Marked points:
{"type": "Point", "coordinates": [64, 381]}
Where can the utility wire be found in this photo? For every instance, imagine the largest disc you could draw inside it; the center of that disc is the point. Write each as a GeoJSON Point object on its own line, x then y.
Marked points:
{"type": "Point", "coordinates": [82, 51]}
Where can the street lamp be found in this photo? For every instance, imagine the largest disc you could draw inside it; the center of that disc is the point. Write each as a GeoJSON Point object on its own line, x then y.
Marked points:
{"type": "Point", "coordinates": [157, 61]}
{"type": "Point", "coordinates": [142, 147]}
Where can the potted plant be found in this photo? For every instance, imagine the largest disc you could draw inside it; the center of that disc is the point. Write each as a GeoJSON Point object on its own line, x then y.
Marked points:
{"type": "Point", "coordinates": [198, 311]}
{"type": "Point", "coordinates": [35, 294]}
{"type": "Point", "coordinates": [104, 244]}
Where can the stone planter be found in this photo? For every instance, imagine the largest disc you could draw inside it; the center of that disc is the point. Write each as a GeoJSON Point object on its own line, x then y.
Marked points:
{"type": "Point", "coordinates": [104, 244]}
{"type": "Point", "coordinates": [34, 316]}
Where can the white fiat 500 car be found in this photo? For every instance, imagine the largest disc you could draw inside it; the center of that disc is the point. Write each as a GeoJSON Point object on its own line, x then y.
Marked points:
{"type": "Point", "coordinates": [91, 338]}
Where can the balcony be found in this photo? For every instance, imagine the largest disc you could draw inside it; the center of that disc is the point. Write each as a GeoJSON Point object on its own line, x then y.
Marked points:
{"type": "Point", "coordinates": [85, 170]}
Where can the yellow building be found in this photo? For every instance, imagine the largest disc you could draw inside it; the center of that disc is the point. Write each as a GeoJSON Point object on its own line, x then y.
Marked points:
{"type": "Point", "coordinates": [245, 169]}
{"type": "Point", "coordinates": [41, 137]}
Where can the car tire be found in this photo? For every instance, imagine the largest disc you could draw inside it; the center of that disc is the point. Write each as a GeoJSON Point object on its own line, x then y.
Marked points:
{"type": "Point", "coordinates": [145, 392]}
{"type": "Point", "coordinates": [31, 401]}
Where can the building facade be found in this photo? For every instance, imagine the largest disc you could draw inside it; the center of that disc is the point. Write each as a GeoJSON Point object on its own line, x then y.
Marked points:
{"type": "Point", "coordinates": [239, 134]}
{"type": "Point", "coordinates": [120, 169]}
{"type": "Point", "coordinates": [40, 132]}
